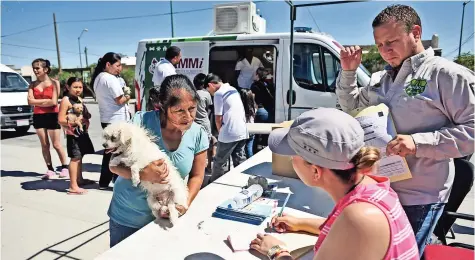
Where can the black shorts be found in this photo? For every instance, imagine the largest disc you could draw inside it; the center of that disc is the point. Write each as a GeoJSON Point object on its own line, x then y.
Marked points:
{"type": "Point", "coordinates": [79, 146]}
{"type": "Point", "coordinates": [47, 121]}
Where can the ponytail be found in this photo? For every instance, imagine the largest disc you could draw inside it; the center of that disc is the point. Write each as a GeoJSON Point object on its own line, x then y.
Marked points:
{"type": "Point", "coordinates": [100, 67]}
{"type": "Point", "coordinates": [363, 162]}
{"type": "Point", "coordinates": [110, 58]}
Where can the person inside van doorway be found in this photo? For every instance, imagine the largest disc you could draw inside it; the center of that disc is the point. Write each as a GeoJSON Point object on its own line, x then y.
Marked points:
{"type": "Point", "coordinates": [231, 124]}
{"type": "Point", "coordinates": [328, 151]}
{"type": "Point", "coordinates": [166, 67]}
{"type": "Point", "coordinates": [432, 105]}
{"type": "Point", "coordinates": [111, 100]}
{"type": "Point", "coordinates": [264, 91]}
{"type": "Point", "coordinates": [43, 95]}
{"type": "Point", "coordinates": [246, 67]}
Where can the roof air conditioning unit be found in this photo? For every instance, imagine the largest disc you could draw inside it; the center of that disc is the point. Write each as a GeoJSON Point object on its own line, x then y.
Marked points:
{"type": "Point", "coordinates": [236, 18]}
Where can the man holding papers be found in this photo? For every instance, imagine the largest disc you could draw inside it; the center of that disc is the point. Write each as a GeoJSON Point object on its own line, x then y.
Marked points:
{"type": "Point", "coordinates": [431, 101]}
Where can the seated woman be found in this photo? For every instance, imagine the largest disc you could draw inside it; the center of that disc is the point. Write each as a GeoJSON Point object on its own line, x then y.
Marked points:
{"type": "Point", "coordinates": [184, 141]}
{"type": "Point", "coordinates": [367, 222]}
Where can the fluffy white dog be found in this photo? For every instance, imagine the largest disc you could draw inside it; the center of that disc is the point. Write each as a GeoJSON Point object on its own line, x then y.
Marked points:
{"type": "Point", "coordinates": [134, 147]}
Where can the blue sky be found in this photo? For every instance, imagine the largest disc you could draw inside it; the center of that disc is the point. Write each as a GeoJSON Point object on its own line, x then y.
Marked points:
{"type": "Point", "coordinates": [348, 23]}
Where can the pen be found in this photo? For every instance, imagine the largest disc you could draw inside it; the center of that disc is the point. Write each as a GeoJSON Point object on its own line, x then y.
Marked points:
{"type": "Point", "coordinates": [283, 206]}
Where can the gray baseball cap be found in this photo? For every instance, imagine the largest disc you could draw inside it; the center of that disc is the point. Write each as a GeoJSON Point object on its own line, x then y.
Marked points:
{"type": "Point", "coordinates": [326, 137]}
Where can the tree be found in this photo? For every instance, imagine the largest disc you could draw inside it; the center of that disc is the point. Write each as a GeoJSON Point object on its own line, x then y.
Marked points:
{"type": "Point", "coordinates": [373, 60]}
{"type": "Point", "coordinates": [128, 74]}
{"type": "Point", "coordinates": [466, 60]}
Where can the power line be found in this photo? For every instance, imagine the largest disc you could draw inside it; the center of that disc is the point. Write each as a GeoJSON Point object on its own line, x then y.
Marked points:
{"type": "Point", "coordinates": [120, 18]}
{"type": "Point", "coordinates": [46, 49]}
{"type": "Point", "coordinates": [27, 30]}
{"type": "Point", "coordinates": [144, 16]}
{"type": "Point", "coordinates": [463, 43]}
{"type": "Point", "coordinates": [313, 18]}
{"type": "Point", "coordinates": [13, 56]}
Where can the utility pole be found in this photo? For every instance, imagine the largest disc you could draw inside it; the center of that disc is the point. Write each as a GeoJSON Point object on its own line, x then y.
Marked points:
{"type": "Point", "coordinates": [79, 44]}
{"type": "Point", "coordinates": [171, 18]}
{"type": "Point", "coordinates": [461, 26]}
{"type": "Point", "coordinates": [57, 43]}
{"type": "Point", "coordinates": [85, 54]}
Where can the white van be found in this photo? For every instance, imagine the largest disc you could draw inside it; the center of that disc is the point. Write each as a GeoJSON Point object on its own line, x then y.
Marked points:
{"type": "Point", "coordinates": [15, 111]}
{"type": "Point", "coordinates": [316, 59]}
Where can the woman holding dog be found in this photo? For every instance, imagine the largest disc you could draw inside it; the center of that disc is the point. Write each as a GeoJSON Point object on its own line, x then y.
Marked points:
{"type": "Point", "coordinates": [78, 142]}
{"type": "Point", "coordinates": [112, 102]}
{"type": "Point", "coordinates": [183, 140]}
{"type": "Point", "coordinates": [368, 222]}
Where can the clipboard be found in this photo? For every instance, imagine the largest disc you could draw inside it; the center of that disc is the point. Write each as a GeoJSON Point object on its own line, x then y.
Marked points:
{"type": "Point", "coordinates": [382, 110]}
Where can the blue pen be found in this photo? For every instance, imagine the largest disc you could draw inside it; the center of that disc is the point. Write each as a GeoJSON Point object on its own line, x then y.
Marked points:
{"type": "Point", "coordinates": [283, 206]}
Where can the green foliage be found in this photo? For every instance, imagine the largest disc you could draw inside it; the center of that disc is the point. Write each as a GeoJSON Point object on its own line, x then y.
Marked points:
{"type": "Point", "coordinates": [128, 75]}
{"type": "Point", "coordinates": [465, 59]}
{"type": "Point", "coordinates": [373, 60]}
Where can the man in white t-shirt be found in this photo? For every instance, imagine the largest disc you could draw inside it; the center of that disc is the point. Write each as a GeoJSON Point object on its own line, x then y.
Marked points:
{"type": "Point", "coordinates": [166, 67]}
{"type": "Point", "coordinates": [246, 68]}
{"type": "Point", "coordinates": [231, 124]}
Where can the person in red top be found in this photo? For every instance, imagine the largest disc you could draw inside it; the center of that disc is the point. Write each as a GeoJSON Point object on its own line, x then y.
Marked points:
{"type": "Point", "coordinates": [368, 222]}
{"type": "Point", "coordinates": [43, 95]}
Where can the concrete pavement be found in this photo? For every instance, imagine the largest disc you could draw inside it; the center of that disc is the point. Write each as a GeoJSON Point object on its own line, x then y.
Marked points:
{"type": "Point", "coordinates": [40, 221]}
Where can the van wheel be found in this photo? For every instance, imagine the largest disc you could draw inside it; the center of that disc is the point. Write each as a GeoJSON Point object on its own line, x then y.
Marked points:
{"type": "Point", "coordinates": [22, 129]}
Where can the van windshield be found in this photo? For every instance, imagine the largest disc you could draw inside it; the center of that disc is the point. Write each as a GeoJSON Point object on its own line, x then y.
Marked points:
{"type": "Point", "coordinates": [12, 82]}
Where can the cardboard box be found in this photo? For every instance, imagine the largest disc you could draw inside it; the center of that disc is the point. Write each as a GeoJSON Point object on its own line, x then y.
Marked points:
{"type": "Point", "coordinates": [282, 165]}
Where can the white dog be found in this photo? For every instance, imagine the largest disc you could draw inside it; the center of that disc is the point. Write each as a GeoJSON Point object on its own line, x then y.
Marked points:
{"type": "Point", "coordinates": [133, 146]}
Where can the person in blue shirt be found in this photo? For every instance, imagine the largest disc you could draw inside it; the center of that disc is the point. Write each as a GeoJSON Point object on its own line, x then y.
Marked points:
{"type": "Point", "coordinates": [184, 141]}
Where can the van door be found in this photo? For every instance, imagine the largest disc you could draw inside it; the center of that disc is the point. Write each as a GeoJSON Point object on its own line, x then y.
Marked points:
{"type": "Point", "coordinates": [314, 76]}
{"type": "Point", "coordinates": [194, 60]}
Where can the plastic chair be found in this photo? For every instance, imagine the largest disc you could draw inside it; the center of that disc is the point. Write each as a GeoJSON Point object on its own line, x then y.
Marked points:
{"type": "Point", "coordinates": [463, 181]}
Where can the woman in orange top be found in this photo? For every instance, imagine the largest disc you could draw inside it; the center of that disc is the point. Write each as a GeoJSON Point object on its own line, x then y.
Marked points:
{"type": "Point", "coordinates": [43, 95]}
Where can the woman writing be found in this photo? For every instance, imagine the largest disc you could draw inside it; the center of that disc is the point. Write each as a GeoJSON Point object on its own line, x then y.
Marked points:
{"type": "Point", "coordinates": [367, 222]}
{"type": "Point", "coordinates": [43, 95]}
{"type": "Point", "coordinates": [184, 141]}
{"type": "Point", "coordinates": [111, 100]}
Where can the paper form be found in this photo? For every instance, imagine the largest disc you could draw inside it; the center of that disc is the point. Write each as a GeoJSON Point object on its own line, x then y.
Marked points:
{"type": "Point", "coordinates": [379, 129]}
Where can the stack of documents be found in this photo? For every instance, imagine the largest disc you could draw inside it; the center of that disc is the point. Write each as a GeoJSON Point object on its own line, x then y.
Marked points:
{"type": "Point", "coordinates": [254, 213]}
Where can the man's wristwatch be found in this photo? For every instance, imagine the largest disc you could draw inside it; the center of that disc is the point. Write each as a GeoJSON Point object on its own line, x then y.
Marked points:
{"type": "Point", "coordinates": [275, 251]}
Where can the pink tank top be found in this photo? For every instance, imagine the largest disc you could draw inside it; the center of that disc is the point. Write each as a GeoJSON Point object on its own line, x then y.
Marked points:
{"type": "Point", "coordinates": [402, 244]}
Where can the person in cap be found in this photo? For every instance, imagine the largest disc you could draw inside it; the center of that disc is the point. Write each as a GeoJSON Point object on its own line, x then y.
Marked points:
{"type": "Point", "coordinates": [328, 151]}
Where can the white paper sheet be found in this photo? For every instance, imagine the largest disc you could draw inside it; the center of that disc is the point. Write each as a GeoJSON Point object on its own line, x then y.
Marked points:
{"type": "Point", "coordinates": [379, 131]}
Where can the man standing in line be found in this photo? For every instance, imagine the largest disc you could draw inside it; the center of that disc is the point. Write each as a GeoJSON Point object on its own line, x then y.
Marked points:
{"type": "Point", "coordinates": [431, 100]}
{"type": "Point", "coordinates": [231, 124]}
{"type": "Point", "coordinates": [166, 67]}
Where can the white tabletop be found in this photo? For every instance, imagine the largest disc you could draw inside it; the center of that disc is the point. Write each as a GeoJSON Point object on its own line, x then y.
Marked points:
{"type": "Point", "coordinates": [260, 128]}
{"type": "Point", "coordinates": [197, 235]}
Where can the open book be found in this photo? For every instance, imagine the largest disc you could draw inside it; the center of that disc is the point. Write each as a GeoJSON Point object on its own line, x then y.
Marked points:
{"type": "Point", "coordinates": [299, 243]}
{"type": "Point", "coordinates": [379, 129]}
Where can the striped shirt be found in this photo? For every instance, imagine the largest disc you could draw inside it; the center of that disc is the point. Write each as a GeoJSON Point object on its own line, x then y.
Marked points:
{"type": "Point", "coordinates": [402, 243]}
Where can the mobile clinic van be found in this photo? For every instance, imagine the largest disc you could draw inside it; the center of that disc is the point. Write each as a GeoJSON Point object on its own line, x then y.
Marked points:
{"type": "Point", "coordinates": [237, 26]}
{"type": "Point", "coordinates": [15, 111]}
